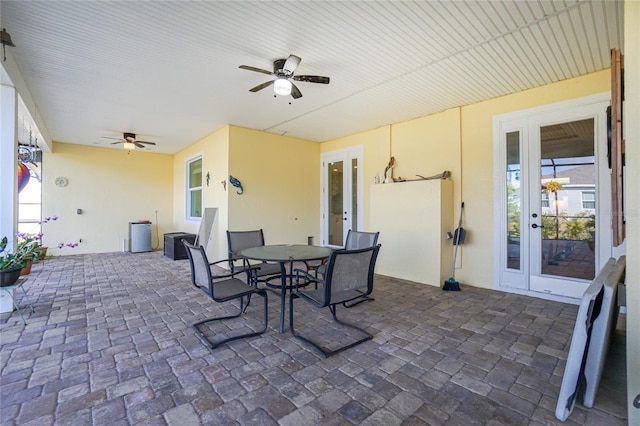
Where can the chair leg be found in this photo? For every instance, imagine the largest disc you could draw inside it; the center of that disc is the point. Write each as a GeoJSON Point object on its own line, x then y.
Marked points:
{"type": "Point", "coordinates": [247, 305]}
{"type": "Point", "coordinates": [213, 345]}
{"type": "Point", "coordinates": [359, 301]}
{"type": "Point", "coordinates": [326, 352]}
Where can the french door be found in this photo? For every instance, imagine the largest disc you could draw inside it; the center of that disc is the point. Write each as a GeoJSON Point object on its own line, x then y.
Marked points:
{"type": "Point", "coordinates": [552, 195]}
{"type": "Point", "coordinates": [342, 194]}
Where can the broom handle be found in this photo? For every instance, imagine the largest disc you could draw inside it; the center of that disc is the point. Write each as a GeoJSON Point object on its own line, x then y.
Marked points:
{"type": "Point", "coordinates": [453, 266]}
{"type": "Point", "coordinates": [459, 225]}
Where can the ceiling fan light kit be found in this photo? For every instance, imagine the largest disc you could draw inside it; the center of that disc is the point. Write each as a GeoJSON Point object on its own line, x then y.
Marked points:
{"type": "Point", "coordinates": [283, 70]}
{"type": "Point", "coordinates": [129, 145]}
{"type": "Point", "coordinates": [282, 87]}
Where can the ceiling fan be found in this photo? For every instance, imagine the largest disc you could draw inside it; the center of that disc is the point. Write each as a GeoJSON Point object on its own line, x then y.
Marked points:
{"type": "Point", "coordinates": [283, 70]}
{"type": "Point", "coordinates": [130, 141]}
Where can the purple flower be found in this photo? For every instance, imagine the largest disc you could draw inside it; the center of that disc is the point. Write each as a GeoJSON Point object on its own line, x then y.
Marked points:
{"type": "Point", "coordinates": [38, 237]}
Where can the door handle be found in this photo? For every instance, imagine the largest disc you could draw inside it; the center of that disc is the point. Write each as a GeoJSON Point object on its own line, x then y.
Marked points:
{"type": "Point", "coordinates": [535, 225]}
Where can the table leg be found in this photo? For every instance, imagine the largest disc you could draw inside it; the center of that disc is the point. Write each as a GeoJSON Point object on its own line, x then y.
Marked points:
{"type": "Point", "coordinates": [13, 299]}
{"type": "Point", "coordinates": [283, 294]}
{"type": "Point", "coordinates": [27, 297]}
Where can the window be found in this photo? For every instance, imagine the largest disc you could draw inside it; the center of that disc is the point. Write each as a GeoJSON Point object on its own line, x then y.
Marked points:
{"type": "Point", "coordinates": [194, 188]}
{"type": "Point", "coordinates": [588, 200]}
{"type": "Point", "coordinates": [545, 199]}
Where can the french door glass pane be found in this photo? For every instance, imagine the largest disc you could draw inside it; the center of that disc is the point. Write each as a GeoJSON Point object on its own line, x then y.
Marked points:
{"type": "Point", "coordinates": [335, 197]}
{"type": "Point", "coordinates": [514, 195]}
{"type": "Point", "coordinates": [568, 185]}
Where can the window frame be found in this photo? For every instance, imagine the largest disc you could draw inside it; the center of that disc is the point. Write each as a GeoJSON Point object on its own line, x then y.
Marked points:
{"type": "Point", "coordinates": [189, 190]}
{"type": "Point", "coordinates": [593, 201]}
{"type": "Point", "coordinates": [544, 200]}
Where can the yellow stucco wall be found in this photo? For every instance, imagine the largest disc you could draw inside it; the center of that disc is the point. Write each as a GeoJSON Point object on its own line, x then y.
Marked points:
{"type": "Point", "coordinates": [214, 150]}
{"type": "Point", "coordinates": [280, 177]}
{"type": "Point", "coordinates": [460, 140]}
{"type": "Point", "coordinates": [112, 187]}
{"type": "Point", "coordinates": [281, 180]}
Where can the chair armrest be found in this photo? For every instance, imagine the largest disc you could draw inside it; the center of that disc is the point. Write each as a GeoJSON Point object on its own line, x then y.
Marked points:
{"type": "Point", "coordinates": [250, 270]}
{"type": "Point", "coordinates": [301, 273]}
{"type": "Point", "coordinates": [219, 261]}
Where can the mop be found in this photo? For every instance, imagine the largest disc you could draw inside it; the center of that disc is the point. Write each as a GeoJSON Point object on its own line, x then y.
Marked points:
{"type": "Point", "coordinates": [458, 238]}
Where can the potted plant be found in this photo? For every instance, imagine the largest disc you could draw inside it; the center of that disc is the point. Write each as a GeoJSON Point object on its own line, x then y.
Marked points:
{"type": "Point", "coordinates": [27, 249]}
{"type": "Point", "coordinates": [11, 264]}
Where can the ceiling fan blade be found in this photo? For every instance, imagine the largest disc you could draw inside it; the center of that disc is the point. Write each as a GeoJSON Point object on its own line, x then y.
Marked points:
{"type": "Point", "coordinates": [115, 143]}
{"type": "Point", "coordinates": [109, 137]}
{"type": "Point", "coordinates": [262, 86]}
{"type": "Point", "coordinates": [312, 79]}
{"type": "Point", "coordinates": [147, 142]}
{"type": "Point", "coordinates": [295, 92]}
{"type": "Point", "coordinates": [291, 64]}
{"type": "Point", "coordinates": [139, 145]}
{"type": "Point", "coordinates": [248, 68]}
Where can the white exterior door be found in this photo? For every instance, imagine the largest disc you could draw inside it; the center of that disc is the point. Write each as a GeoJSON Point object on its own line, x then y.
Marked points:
{"type": "Point", "coordinates": [552, 231]}
{"type": "Point", "coordinates": [341, 192]}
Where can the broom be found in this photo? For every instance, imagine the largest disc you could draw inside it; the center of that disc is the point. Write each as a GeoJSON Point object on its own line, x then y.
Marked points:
{"type": "Point", "coordinates": [451, 284]}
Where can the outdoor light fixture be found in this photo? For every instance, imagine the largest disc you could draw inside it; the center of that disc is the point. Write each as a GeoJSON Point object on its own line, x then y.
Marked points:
{"type": "Point", "coordinates": [5, 39]}
{"type": "Point", "coordinates": [282, 87]}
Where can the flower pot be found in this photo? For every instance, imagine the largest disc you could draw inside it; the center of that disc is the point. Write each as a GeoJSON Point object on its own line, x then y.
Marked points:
{"type": "Point", "coordinates": [26, 269]}
{"type": "Point", "coordinates": [42, 252]}
{"type": "Point", "coordinates": [9, 276]}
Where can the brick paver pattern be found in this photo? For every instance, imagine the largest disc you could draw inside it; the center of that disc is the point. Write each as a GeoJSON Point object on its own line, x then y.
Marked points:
{"type": "Point", "coordinates": [110, 343]}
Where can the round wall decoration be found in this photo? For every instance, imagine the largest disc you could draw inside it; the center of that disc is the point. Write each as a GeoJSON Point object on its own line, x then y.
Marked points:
{"type": "Point", "coordinates": [61, 181]}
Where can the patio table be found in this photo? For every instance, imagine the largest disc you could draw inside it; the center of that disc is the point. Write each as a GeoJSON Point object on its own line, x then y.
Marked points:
{"type": "Point", "coordinates": [283, 254]}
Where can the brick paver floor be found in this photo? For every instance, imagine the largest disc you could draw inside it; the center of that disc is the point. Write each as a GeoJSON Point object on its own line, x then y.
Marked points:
{"type": "Point", "coordinates": [110, 343]}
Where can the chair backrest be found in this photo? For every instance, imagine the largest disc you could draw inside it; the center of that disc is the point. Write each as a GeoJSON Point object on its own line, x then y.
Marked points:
{"type": "Point", "coordinates": [359, 239]}
{"type": "Point", "coordinates": [240, 240]}
{"type": "Point", "coordinates": [200, 270]}
{"type": "Point", "coordinates": [347, 271]}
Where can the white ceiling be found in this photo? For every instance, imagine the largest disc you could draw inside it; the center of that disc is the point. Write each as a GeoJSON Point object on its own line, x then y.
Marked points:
{"type": "Point", "coordinates": [168, 70]}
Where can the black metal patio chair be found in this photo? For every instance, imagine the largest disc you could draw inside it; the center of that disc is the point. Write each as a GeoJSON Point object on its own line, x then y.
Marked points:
{"type": "Point", "coordinates": [355, 240]}
{"type": "Point", "coordinates": [240, 240]}
{"type": "Point", "coordinates": [222, 288]}
{"type": "Point", "coordinates": [349, 276]}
